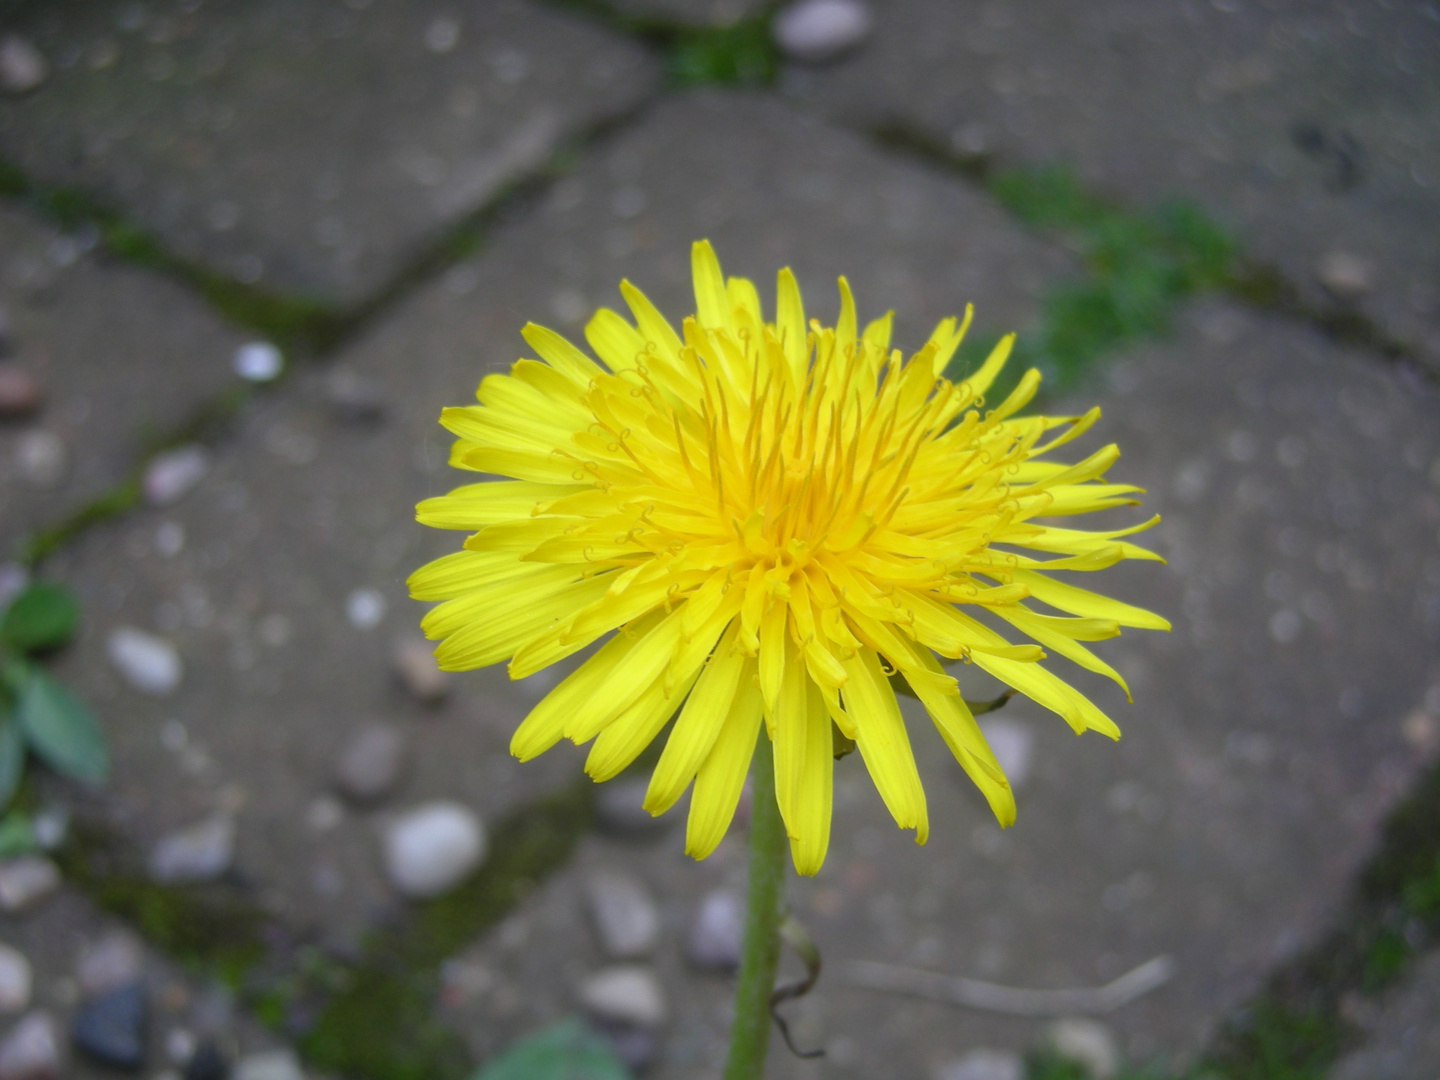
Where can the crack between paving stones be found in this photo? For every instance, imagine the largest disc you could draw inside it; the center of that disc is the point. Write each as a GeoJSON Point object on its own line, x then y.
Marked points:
{"type": "Point", "coordinates": [369, 1018]}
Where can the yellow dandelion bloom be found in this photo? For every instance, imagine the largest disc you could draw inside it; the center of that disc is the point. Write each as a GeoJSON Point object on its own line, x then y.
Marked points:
{"type": "Point", "coordinates": [770, 518]}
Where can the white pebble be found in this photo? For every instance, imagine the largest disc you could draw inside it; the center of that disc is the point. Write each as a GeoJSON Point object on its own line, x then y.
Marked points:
{"type": "Point", "coordinates": [22, 67]}
{"type": "Point", "coordinates": [627, 994]}
{"type": "Point", "coordinates": [41, 458]}
{"type": "Point", "coordinates": [170, 476]}
{"type": "Point", "coordinates": [432, 848]}
{"type": "Point", "coordinates": [371, 763]}
{"type": "Point", "coordinates": [814, 31]}
{"type": "Point", "coordinates": [258, 361]}
{"type": "Point", "coordinates": [116, 960]}
{"type": "Point", "coordinates": [32, 1049]}
{"type": "Point", "coordinates": [1346, 275]}
{"type": "Point", "coordinates": [365, 608]}
{"type": "Point", "coordinates": [16, 979]}
{"type": "Point", "coordinates": [716, 934]}
{"type": "Point", "coordinates": [196, 853]}
{"type": "Point", "coordinates": [148, 663]}
{"type": "Point", "coordinates": [269, 1065]}
{"type": "Point", "coordinates": [26, 880]}
{"type": "Point", "coordinates": [1012, 743]}
{"type": "Point", "coordinates": [1087, 1042]}
{"type": "Point", "coordinates": [414, 662]}
{"type": "Point", "coordinates": [984, 1065]}
{"type": "Point", "coordinates": [626, 919]}
{"type": "Point", "coordinates": [13, 579]}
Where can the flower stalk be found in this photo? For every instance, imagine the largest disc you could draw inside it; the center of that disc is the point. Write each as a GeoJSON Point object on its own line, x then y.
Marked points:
{"type": "Point", "coordinates": [760, 950]}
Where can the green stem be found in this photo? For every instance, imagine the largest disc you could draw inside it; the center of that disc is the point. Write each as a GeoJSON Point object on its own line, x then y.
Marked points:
{"type": "Point", "coordinates": [760, 954]}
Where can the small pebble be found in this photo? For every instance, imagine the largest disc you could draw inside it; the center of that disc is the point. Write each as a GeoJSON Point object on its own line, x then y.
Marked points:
{"type": "Point", "coordinates": [619, 810]}
{"type": "Point", "coordinates": [371, 764]}
{"type": "Point", "coordinates": [1086, 1042]}
{"type": "Point", "coordinates": [32, 1049]}
{"type": "Point", "coordinates": [111, 1027]}
{"type": "Point", "coordinates": [432, 848]}
{"type": "Point", "coordinates": [180, 1044]}
{"type": "Point", "coordinates": [170, 476]}
{"type": "Point", "coordinates": [13, 579]}
{"type": "Point", "coordinates": [116, 960]}
{"type": "Point", "coordinates": [26, 880]}
{"type": "Point", "coordinates": [41, 458]}
{"type": "Point", "coordinates": [354, 398]}
{"type": "Point", "coordinates": [50, 826]}
{"type": "Point", "coordinates": [199, 852]}
{"type": "Point", "coordinates": [1012, 742]}
{"type": "Point", "coordinates": [207, 1063]}
{"type": "Point", "coordinates": [627, 921]}
{"type": "Point", "coordinates": [258, 361]}
{"type": "Point", "coordinates": [715, 936]}
{"type": "Point", "coordinates": [414, 662]}
{"type": "Point", "coordinates": [22, 68]}
{"type": "Point", "coordinates": [365, 608]}
{"type": "Point", "coordinates": [816, 31]}
{"type": "Point", "coordinates": [269, 1065]}
{"type": "Point", "coordinates": [148, 663]}
{"type": "Point", "coordinates": [16, 979]}
{"type": "Point", "coordinates": [1346, 275]}
{"type": "Point", "coordinates": [984, 1065]}
{"type": "Point", "coordinates": [20, 392]}
{"type": "Point", "coordinates": [625, 994]}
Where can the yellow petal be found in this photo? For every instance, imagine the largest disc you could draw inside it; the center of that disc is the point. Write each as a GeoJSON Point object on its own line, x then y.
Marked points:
{"type": "Point", "coordinates": [712, 306]}
{"type": "Point", "coordinates": [722, 776]}
{"type": "Point", "coordinates": [790, 322]}
{"type": "Point", "coordinates": [804, 769]}
{"type": "Point", "coordinates": [882, 742]}
{"type": "Point", "coordinates": [698, 726]}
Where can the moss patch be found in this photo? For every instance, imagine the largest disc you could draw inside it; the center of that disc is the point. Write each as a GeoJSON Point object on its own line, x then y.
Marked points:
{"type": "Point", "coordinates": [380, 1025]}
{"type": "Point", "coordinates": [210, 928]}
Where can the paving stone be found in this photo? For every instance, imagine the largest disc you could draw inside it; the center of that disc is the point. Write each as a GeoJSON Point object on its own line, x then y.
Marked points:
{"type": "Point", "coordinates": [279, 539]}
{"type": "Point", "coordinates": [1310, 129]}
{"type": "Point", "coordinates": [312, 147]}
{"type": "Point", "coordinates": [1402, 1029]}
{"type": "Point", "coordinates": [121, 354]}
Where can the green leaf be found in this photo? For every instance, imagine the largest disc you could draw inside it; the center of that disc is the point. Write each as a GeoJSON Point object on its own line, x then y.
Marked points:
{"type": "Point", "coordinates": [42, 617]}
{"type": "Point", "coordinates": [12, 755]}
{"type": "Point", "coordinates": [17, 835]}
{"type": "Point", "coordinates": [564, 1051]}
{"type": "Point", "coordinates": [61, 730]}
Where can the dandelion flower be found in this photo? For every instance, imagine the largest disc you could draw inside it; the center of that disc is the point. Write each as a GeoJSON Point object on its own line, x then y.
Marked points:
{"type": "Point", "coordinates": [770, 519]}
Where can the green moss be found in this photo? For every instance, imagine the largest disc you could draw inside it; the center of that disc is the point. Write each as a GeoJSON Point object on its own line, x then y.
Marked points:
{"type": "Point", "coordinates": [379, 1025]}
{"type": "Point", "coordinates": [1139, 266]}
{"type": "Point", "coordinates": [740, 55]}
{"type": "Point", "coordinates": [210, 928]}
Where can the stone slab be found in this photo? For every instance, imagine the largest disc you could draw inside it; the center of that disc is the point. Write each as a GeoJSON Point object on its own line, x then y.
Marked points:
{"type": "Point", "coordinates": [1402, 1029]}
{"type": "Point", "coordinates": [302, 509]}
{"type": "Point", "coordinates": [315, 148]}
{"type": "Point", "coordinates": [121, 354]}
{"type": "Point", "coordinates": [1271, 732]}
{"type": "Point", "coordinates": [1309, 129]}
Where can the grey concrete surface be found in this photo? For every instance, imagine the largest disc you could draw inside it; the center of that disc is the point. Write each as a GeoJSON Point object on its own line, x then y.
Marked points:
{"type": "Point", "coordinates": [1309, 129]}
{"type": "Point", "coordinates": [301, 509]}
{"type": "Point", "coordinates": [121, 355]}
{"type": "Point", "coordinates": [311, 148]}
